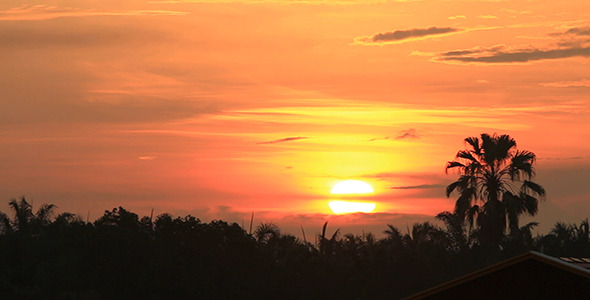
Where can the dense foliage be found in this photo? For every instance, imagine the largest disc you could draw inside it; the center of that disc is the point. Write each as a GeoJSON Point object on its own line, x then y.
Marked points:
{"type": "Point", "coordinates": [121, 256]}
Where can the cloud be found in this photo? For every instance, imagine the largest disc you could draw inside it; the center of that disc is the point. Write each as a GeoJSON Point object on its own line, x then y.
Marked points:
{"type": "Point", "coordinates": [579, 31]}
{"type": "Point", "coordinates": [516, 12]}
{"type": "Point", "coordinates": [565, 84]}
{"type": "Point", "coordinates": [574, 35]}
{"type": "Point", "coordinates": [146, 158]}
{"type": "Point", "coordinates": [500, 54]}
{"type": "Point", "coordinates": [417, 187]}
{"type": "Point", "coordinates": [564, 158]}
{"type": "Point", "coordinates": [405, 134]}
{"type": "Point", "coordinates": [573, 42]}
{"type": "Point", "coordinates": [408, 134]}
{"type": "Point", "coordinates": [405, 35]}
{"type": "Point", "coordinates": [487, 17]}
{"type": "Point", "coordinates": [378, 139]}
{"type": "Point", "coordinates": [303, 2]}
{"type": "Point", "coordinates": [287, 139]}
{"type": "Point", "coordinates": [45, 12]}
{"type": "Point", "coordinates": [457, 17]}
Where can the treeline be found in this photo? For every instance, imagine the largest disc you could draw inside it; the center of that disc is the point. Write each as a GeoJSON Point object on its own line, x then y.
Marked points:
{"type": "Point", "coordinates": [122, 256]}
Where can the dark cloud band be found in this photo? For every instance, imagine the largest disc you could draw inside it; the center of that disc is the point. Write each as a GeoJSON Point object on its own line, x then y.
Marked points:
{"type": "Point", "coordinates": [411, 33]}
{"type": "Point", "coordinates": [287, 139]}
{"type": "Point", "coordinates": [514, 56]}
{"type": "Point", "coordinates": [418, 187]}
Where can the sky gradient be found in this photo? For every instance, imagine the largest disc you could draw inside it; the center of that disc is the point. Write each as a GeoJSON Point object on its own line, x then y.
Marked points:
{"type": "Point", "coordinates": [223, 108]}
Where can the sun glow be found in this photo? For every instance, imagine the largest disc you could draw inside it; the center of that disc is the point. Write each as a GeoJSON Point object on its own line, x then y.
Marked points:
{"type": "Point", "coordinates": [347, 189]}
{"type": "Point", "coordinates": [352, 187]}
{"type": "Point", "coordinates": [346, 207]}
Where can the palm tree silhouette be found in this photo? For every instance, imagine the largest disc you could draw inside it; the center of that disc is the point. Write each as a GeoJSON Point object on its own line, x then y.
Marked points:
{"type": "Point", "coordinates": [24, 219]}
{"type": "Point", "coordinates": [494, 186]}
{"type": "Point", "coordinates": [266, 232]}
{"type": "Point", "coordinates": [459, 238]}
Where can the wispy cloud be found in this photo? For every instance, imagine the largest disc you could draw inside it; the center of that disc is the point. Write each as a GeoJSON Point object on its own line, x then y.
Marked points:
{"type": "Point", "coordinates": [405, 134]}
{"type": "Point", "coordinates": [573, 42]}
{"type": "Point", "coordinates": [497, 54]}
{"type": "Point", "coordinates": [487, 17]}
{"type": "Point", "coordinates": [565, 158]}
{"type": "Point", "coordinates": [303, 2]}
{"type": "Point", "coordinates": [565, 84]}
{"type": "Point", "coordinates": [418, 187]}
{"type": "Point", "coordinates": [398, 36]}
{"type": "Point", "coordinates": [408, 134]}
{"type": "Point", "coordinates": [378, 139]}
{"type": "Point", "coordinates": [516, 12]}
{"type": "Point", "coordinates": [580, 31]}
{"type": "Point", "coordinates": [150, 157]}
{"type": "Point", "coordinates": [287, 139]}
{"type": "Point", "coordinates": [457, 17]}
{"type": "Point", "coordinates": [46, 12]}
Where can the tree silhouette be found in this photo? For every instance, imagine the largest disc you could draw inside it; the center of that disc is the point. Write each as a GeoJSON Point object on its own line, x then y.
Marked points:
{"type": "Point", "coordinates": [494, 186]}
{"type": "Point", "coordinates": [459, 237]}
{"type": "Point", "coordinates": [24, 220]}
{"type": "Point", "coordinates": [567, 240]}
{"type": "Point", "coordinates": [123, 256]}
{"type": "Point", "coordinates": [265, 232]}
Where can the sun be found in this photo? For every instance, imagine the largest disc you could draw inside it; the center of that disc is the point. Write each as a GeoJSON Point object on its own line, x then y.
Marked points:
{"type": "Point", "coordinates": [352, 187]}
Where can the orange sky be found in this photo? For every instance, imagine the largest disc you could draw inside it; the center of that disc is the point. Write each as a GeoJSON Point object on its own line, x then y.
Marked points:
{"type": "Point", "coordinates": [221, 108]}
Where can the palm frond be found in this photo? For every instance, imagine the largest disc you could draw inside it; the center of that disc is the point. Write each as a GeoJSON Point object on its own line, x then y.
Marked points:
{"type": "Point", "coordinates": [522, 163]}
{"type": "Point", "coordinates": [513, 208]}
{"type": "Point", "coordinates": [444, 216]}
{"type": "Point", "coordinates": [464, 154]}
{"type": "Point", "coordinates": [22, 211]}
{"type": "Point", "coordinates": [488, 145]}
{"type": "Point", "coordinates": [392, 232]}
{"type": "Point", "coordinates": [464, 202]}
{"type": "Point", "coordinates": [528, 185]}
{"type": "Point", "coordinates": [335, 235]}
{"type": "Point", "coordinates": [472, 214]}
{"type": "Point", "coordinates": [5, 223]}
{"type": "Point", "coordinates": [45, 212]}
{"type": "Point", "coordinates": [504, 146]}
{"type": "Point", "coordinates": [266, 231]}
{"type": "Point", "coordinates": [529, 226]}
{"type": "Point", "coordinates": [474, 143]}
{"type": "Point", "coordinates": [562, 231]}
{"type": "Point", "coordinates": [452, 165]}
{"type": "Point", "coordinates": [460, 185]}
{"type": "Point", "coordinates": [530, 204]}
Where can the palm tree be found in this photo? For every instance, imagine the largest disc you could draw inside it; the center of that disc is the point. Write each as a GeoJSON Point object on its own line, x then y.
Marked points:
{"type": "Point", "coordinates": [5, 224]}
{"type": "Point", "coordinates": [456, 232]}
{"type": "Point", "coordinates": [494, 186]}
{"type": "Point", "coordinates": [392, 232]}
{"type": "Point", "coordinates": [266, 232]}
{"type": "Point", "coordinates": [326, 246]}
{"type": "Point", "coordinates": [25, 220]}
{"type": "Point", "coordinates": [425, 233]}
